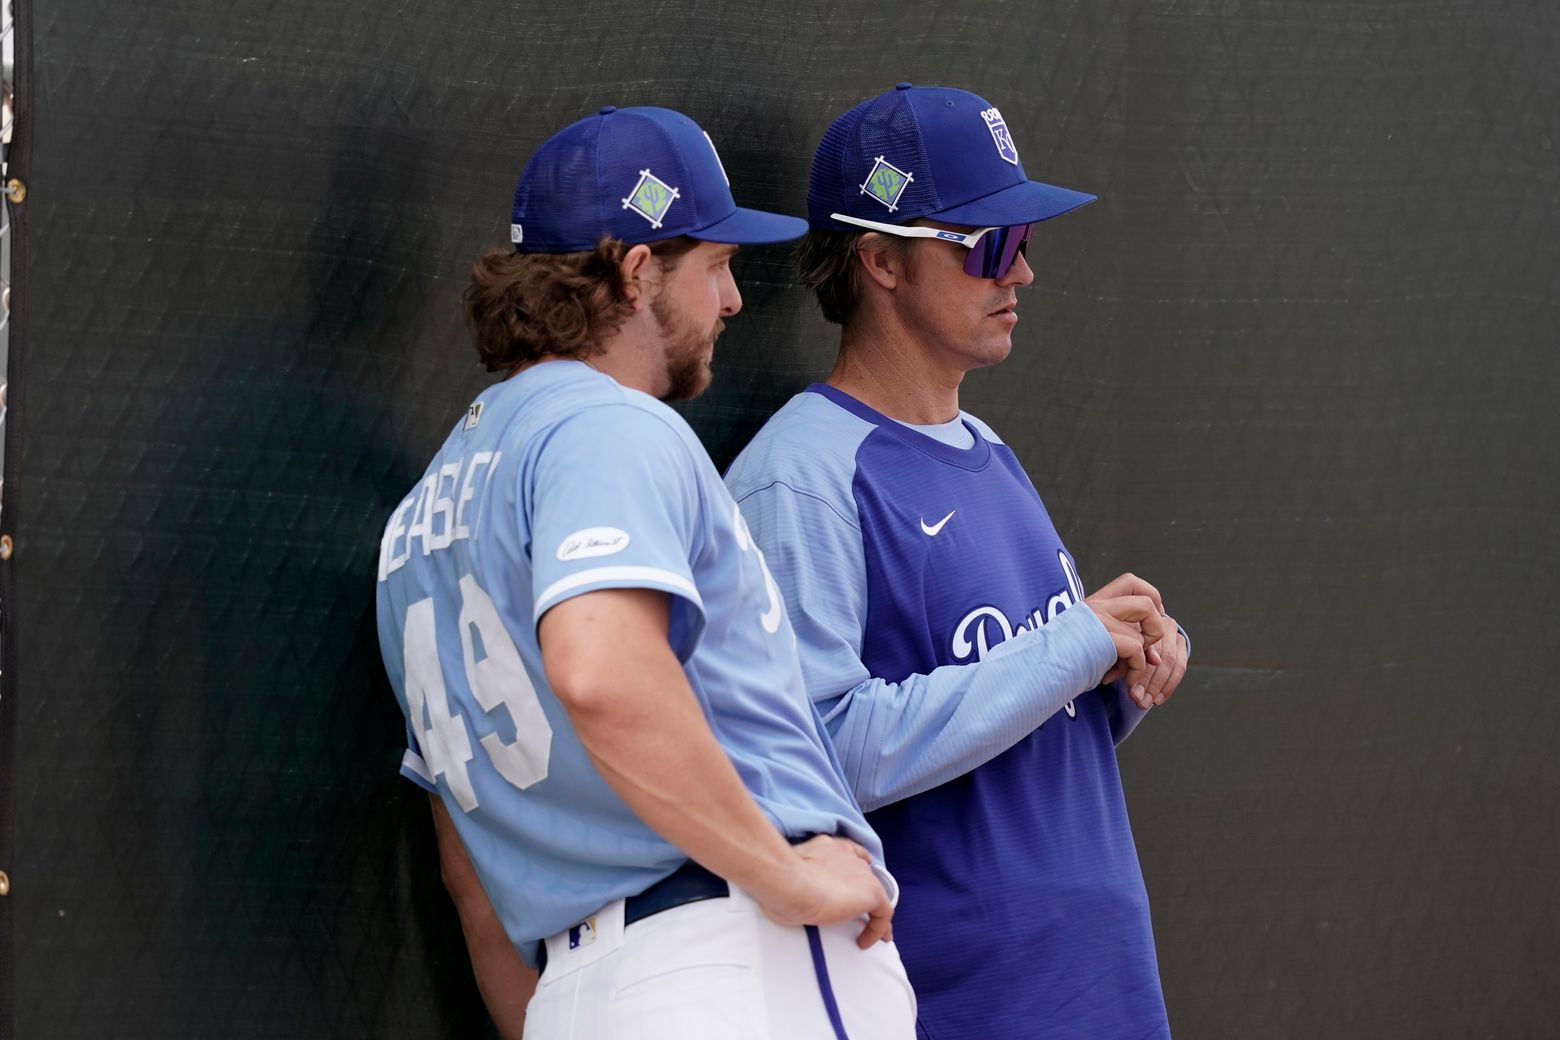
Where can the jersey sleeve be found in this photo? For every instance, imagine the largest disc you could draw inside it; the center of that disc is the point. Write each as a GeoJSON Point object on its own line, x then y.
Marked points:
{"type": "Point", "coordinates": [614, 503]}
{"type": "Point", "coordinates": [814, 554]}
{"type": "Point", "coordinates": [414, 767]}
{"type": "Point", "coordinates": [897, 739]}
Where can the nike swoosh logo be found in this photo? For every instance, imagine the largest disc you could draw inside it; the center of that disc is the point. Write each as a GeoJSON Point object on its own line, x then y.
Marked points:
{"type": "Point", "coordinates": [938, 526]}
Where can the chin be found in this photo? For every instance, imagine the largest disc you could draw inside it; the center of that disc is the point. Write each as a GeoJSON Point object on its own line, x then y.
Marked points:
{"type": "Point", "coordinates": [988, 354]}
{"type": "Point", "coordinates": [687, 382]}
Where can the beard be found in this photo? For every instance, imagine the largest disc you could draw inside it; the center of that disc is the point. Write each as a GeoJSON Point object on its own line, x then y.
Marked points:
{"type": "Point", "coordinates": [688, 351]}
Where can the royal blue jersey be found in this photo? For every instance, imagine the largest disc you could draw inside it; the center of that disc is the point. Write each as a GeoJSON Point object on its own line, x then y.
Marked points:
{"type": "Point", "coordinates": [944, 638]}
{"type": "Point", "coordinates": [560, 482]}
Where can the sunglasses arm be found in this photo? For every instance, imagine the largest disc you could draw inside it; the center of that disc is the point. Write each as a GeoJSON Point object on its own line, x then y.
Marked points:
{"type": "Point", "coordinates": [966, 239]}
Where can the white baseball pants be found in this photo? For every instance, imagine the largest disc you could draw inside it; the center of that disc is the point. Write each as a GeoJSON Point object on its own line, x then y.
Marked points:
{"type": "Point", "coordinates": [719, 970]}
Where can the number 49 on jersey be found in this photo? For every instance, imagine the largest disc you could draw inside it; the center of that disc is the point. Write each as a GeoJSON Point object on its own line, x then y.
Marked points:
{"type": "Point", "coordinates": [498, 680]}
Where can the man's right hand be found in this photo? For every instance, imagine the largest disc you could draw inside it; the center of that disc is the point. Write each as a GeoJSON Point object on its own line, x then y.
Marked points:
{"type": "Point", "coordinates": [1133, 613]}
{"type": "Point", "coordinates": [835, 882]}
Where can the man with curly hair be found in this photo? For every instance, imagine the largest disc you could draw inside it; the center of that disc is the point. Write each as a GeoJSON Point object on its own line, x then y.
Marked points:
{"type": "Point", "coordinates": [631, 786]}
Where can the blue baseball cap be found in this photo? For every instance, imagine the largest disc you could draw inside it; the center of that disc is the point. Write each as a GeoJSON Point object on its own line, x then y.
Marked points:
{"type": "Point", "coordinates": [638, 175]}
{"type": "Point", "coordinates": [927, 152]}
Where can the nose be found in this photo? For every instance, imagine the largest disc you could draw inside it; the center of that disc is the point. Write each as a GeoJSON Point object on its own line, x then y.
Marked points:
{"type": "Point", "coordinates": [1019, 274]}
{"type": "Point", "coordinates": [730, 297]}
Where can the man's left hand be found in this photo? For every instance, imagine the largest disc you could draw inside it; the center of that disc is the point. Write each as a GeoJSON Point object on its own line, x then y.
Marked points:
{"type": "Point", "coordinates": [1168, 661]}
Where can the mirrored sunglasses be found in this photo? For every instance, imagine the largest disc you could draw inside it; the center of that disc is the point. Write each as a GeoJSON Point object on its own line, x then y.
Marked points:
{"type": "Point", "coordinates": [992, 249]}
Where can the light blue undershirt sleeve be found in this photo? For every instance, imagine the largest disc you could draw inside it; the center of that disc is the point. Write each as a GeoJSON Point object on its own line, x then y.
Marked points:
{"type": "Point", "coordinates": [896, 739]}
{"type": "Point", "coordinates": [1124, 714]}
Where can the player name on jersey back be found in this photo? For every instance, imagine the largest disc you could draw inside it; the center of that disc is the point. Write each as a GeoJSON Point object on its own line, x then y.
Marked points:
{"type": "Point", "coordinates": [433, 516]}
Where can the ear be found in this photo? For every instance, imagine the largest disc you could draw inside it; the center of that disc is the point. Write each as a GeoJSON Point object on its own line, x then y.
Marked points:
{"type": "Point", "coordinates": [638, 268]}
{"type": "Point", "coordinates": [878, 263]}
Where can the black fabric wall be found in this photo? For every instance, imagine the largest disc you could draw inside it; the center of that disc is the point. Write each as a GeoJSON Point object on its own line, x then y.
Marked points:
{"type": "Point", "coordinates": [1297, 367]}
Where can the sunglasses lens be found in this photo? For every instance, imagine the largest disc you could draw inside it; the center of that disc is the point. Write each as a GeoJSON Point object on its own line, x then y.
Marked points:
{"type": "Point", "coordinates": [1016, 244]}
{"type": "Point", "coordinates": [996, 251]}
{"type": "Point", "coordinates": [994, 254]}
{"type": "Point", "coordinates": [987, 254]}
{"type": "Point", "coordinates": [1020, 245]}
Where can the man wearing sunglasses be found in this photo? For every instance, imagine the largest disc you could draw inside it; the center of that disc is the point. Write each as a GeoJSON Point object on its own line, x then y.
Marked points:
{"type": "Point", "coordinates": [975, 694]}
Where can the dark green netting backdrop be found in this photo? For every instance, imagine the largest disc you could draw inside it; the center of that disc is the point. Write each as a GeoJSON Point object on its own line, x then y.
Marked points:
{"type": "Point", "coordinates": [1298, 367]}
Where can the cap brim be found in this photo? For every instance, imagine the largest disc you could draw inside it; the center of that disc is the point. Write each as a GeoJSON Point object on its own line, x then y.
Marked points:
{"type": "Point", "coordinates": [1026, 203]}
{"type": "Point", "coordinates": [751, 227]}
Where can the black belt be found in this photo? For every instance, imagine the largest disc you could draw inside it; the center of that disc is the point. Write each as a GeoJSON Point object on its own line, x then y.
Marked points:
{"type": "Point", "coordinates": [689, 883]}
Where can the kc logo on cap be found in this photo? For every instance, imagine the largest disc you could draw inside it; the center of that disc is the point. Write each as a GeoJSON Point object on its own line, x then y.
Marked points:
{"type": "Point", "coordinates": [999, 133]}
{"type": "Point", "coordinates": [938, 139]}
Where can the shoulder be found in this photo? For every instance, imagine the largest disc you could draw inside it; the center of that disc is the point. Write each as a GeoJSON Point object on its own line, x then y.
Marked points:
{"type": "Point", "coordinates": [809, 445]}
{"type": "Point", "coordinates": [560, 404]}
{"type": "Point", "coordinates": [624, 408]}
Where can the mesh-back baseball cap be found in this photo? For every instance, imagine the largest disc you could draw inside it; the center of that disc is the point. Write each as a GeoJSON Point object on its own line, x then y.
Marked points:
{"type": "Point", "coordinates": [638, 175]}
{"type": "Point", "coordinates": [927, 152]}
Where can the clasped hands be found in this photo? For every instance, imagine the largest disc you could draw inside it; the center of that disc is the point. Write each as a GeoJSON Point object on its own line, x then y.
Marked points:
{"type": "Point", "coordinates": [1150, 653]}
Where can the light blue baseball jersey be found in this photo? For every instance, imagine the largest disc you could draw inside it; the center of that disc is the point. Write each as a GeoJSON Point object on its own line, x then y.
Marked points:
{"type": "Point", "coordinates": [944, 636]}
{"type": "Point", "coordinates": [560, 482]}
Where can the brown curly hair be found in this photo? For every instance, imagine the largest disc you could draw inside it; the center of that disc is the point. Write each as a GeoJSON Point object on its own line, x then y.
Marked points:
{"type": "Point", "coordinates": [522, 306]}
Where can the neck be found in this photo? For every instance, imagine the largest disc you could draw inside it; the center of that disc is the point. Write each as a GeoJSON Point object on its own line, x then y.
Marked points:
{"type": "Point", "coordinates": [882, 365]}
{"type": "Point", "coordinates": [625, 357]}
{"type": "Point", "coordinates": [628, 357]}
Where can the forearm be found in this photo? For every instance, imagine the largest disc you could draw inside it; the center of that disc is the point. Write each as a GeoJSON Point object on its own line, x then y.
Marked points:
{"type": "Point", "coordinates": [641, 725]}
{"type": "Point", "coordinates": [503, 979]}
{"type": "Point", "coordinates": [655, 749]}
{"type": "Point", "coordinates": [899, 739]}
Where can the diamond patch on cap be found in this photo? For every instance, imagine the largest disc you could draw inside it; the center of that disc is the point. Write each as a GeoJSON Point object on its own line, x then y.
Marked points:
{"type": "Point", "coordinates": [886, 182]}
{"type": "Point", "coordinates": [651, 198]}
